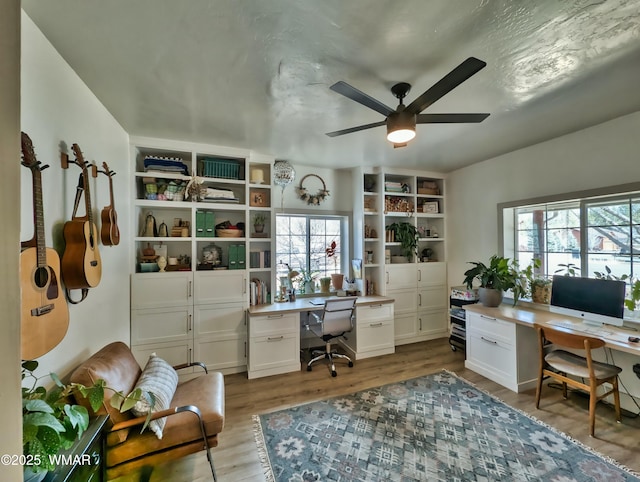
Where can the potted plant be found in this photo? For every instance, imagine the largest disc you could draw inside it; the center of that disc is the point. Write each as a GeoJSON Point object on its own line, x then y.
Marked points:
{"type": "Point", "coordinates": [407, 235]}
{"type": "Point", "coordinates": [51, 422]}
{"type": "Point", "coordinates": [308, 280]}
{"type": "Point", "coordinates": [530, 284]}
{"type": "Point", "coordinates": [259, 220]}
{"type": "Point", "coordinates": [498, 276]}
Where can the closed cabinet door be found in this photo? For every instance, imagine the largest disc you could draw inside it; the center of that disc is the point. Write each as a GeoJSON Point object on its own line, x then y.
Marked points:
{"type": "Point", "coordinates": [405, 301]}
{"type": "Point", "coordinates": [434, 273]}
{"type": "Point", "coordinates": [433, 322]}
{"type": "Point", "coordinates": [173, 353]}
{"type": "Point", "coordinates": [220, 320]}
{"type": "Point", "coordinates": [220, 286]}
{"type": "Point", "coordinates": [154, 290]}
{"type": "Point", "coordinates": [222, 353]}
{"type": "Point", "coordinates": [405, 327]}
{"type": "Point", "coordinates": [400, 276]}
{"type": "Point", "coordinates": [161, 325]}
{"type": "Point", "coordinates": [432, 297]}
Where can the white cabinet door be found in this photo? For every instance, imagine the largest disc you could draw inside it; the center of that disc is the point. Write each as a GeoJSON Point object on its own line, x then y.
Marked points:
{"type": "Point", "coordinates": [434, 273]}
{"type": "Point", "coordinates": [400, 276]}
{"type": "Point", "coordinates": [220, 333]}
{"type": "Point", "coordinates": [405, 328]}
{"type": "Point", "coordinates": [405, 301]}
{"type": "Point", "coordinates": [173, 353]}
{"type": "Point", "coordinates": [155, 290]}
{"type": "Point", "coordinates": [433, 323]}
{"type": "Point", "coordinates": [223, 286]}
{"type": "Point", "coordinates": [432, 297]}
{"type": "Point", "coordinates": [161, 325]}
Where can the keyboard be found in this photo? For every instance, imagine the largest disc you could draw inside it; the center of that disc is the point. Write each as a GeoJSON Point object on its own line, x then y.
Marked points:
{"type": "Point", "coordinates": [596, 331]}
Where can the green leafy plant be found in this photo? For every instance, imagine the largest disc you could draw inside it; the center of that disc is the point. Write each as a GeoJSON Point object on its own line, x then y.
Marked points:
{"type": "Point", "coordinates": [569, 269]}
{"type": "Point", "coordinates": [51, 422]}
{"type": "Point", "coordinates": [259, 218]}
{"type": "Point", "coordinates": [407, 235]}
{"type": "Point", "coordinates": [632, 300]}
{"type": "Point", "coordinates": [500, 274]}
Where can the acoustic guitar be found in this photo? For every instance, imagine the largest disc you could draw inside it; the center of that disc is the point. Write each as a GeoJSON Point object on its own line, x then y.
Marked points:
{"type": "Point", "coordinates": [109, 232]}
{"type": "Point", "coordinates": [44, 313]}
{"type": "Point", "coordinates": [81, 263]}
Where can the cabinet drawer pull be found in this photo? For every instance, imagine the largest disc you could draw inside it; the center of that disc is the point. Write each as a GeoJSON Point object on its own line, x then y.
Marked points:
{"type": "Point", "coordinates": [387, 274]}
{"type": "Point", "coordinates": [189, 322]}
{"type": "Point", "coordinates": [275, 338]}
{"type": "Point", "coordinates": [488, 318]}
{"type": "Point", "coordinates": [488, 341]}
{"type": "Point", "coordinates": [419, 299]}
{"type": "Point", "coordinates": [419, 275]}
{"type": "Point", "coordinates": [376, 324]}
{"type": "Point", "coordinates": [189, 289]}
{"type": "Point", "coordinates": [275, 316]}
{"type": "Point", "coordinates": [375, 306]}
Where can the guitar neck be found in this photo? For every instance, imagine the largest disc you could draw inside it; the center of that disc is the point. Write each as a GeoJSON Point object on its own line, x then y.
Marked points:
{"type": "Point", "coordinates": [38, 218]}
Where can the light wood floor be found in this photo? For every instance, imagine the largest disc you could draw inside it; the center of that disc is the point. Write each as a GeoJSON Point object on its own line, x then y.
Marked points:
{"type": "Point", "coordinates": [236, 457]}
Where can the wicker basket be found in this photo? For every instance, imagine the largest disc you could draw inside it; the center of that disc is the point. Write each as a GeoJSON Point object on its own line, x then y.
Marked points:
{"type": "Point", "coordinates": [229, 233]}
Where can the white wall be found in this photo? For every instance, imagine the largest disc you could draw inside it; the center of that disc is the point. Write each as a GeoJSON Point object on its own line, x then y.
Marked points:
{"type": "Point", "coordinates": [10, 400]}
{"type": "Point", "coordinates": [58, 109]}
{"type": "Point", "coordinates": [338, 184]}
{"type": "Point", "coordinates": [600, 156]}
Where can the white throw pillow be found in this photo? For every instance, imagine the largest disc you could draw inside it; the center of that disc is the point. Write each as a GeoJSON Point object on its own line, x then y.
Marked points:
{"type": "Point", "coordinates": [160, 379]}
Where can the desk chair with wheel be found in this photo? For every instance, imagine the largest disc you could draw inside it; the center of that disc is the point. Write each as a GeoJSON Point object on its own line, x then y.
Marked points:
{"type": "Point", "coordinates": [335, 320]}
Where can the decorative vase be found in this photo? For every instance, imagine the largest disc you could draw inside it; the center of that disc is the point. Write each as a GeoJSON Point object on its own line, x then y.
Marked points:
{"type": "Point", "coordinates": [337, 279]}
{"type": "Point", "coordinates": [324, 285]}
{"type": "Point", "coordinates": [490, 297]}
{"type": "Point", "coordinates": [309, 287]}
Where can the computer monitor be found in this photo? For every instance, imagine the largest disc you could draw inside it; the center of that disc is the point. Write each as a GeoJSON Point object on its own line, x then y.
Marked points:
{"type": "Point", "coordinates": [595, 301]}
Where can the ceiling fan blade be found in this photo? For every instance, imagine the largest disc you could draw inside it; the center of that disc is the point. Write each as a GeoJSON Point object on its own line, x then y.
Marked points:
{"type": "Point", "coordinates": [445, 85]}
{"type": "Point", "coordinates": [449, 118]}
{"type": "Point", "coordinates": [360, 97]}
{"type": "Point", "coordinates": [356, 129]}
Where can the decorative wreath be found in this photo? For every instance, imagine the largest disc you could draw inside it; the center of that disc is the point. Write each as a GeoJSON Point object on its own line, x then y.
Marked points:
{"type": "Point", "coordinates": [313, 199]}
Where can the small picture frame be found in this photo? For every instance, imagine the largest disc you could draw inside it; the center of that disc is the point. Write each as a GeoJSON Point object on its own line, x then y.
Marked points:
{"type": "Point", "coordinates": [430, 207]}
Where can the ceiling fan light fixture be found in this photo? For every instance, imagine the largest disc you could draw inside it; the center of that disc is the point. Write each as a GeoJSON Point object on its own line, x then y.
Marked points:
{"type": "Point", "coordinates": [401, 127]}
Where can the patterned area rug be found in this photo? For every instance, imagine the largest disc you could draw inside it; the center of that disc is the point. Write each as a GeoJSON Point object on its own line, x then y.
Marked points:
{"type": "Point", "coordinates": [434, 428]}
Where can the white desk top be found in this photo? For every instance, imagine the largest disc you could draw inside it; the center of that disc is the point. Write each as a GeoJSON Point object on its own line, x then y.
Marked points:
{"type": "Point", "coordinates": [304, 304]}
{"type": "Point", "coordinates": [614, 337]}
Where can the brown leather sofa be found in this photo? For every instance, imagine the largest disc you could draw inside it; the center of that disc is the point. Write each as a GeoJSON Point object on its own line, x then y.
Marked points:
{"type": "Point", "coordinates": [194, 419]}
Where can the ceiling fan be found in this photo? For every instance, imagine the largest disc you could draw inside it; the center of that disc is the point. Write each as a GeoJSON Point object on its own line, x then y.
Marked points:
{"type": "Point", "coordinates": [401, 121]}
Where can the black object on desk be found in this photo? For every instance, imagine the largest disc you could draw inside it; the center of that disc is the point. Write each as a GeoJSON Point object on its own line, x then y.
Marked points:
{"type": "Point", "coordinates": [86, 457]}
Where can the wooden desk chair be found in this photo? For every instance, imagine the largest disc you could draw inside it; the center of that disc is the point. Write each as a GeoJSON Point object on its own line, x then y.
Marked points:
{"type": "Point", "coordinates": [560, 365]}
{"type": "Point", "coordinates": [336, 320]}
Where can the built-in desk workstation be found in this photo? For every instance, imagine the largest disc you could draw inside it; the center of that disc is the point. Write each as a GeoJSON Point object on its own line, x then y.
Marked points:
{"type": "Point", "coordinates": [274, 333]}
{"type": "Point", "coordinates": [502, 344]}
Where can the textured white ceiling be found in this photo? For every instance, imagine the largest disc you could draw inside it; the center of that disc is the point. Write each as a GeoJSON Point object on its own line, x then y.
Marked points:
{"type": "Point", "coordinates": [256, 73]}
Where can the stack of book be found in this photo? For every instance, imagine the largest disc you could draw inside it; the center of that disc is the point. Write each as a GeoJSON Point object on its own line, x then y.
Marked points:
{"type": "Point", "coordinates": [390, 186]}
{"type": "Point", "coordinates": [259, 259]}
{"type": "Point", "coordinates": [258, 292]}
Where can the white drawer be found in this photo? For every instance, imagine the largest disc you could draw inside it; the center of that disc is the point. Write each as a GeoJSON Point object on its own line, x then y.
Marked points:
{"type": "Point", "coordinates": [374, 312]}
{"type": "Point", "coordinates": [220, 319]}
{"type": "Point", "coordinates": [492, 355]}
{"type": "Point", "coordinates": [269, 352]}
{"type": "Point", "coordinates": [494, 328]}
{"type": "Point", "coordinates": [375, 335]}
{"type": "Point", "coordinates": [273, 324]}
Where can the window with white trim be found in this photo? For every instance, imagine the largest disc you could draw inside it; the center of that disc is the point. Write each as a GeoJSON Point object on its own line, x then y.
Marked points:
{"type": "Point", "coordinates": [590, 234]}
{"type": "Point", "coordinates": [301, 245]}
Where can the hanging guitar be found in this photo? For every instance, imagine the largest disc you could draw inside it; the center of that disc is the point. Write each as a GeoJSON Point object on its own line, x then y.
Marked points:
{"type": "Point", "coordinates": [109, 232]}
{"type": "Point", "coordinates": [44, 314]}
{"type": "Point", "coordinates": [81, 263]}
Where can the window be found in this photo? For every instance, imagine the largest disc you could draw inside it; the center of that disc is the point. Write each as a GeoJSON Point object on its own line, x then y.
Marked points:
{"type": "Point", "coordinates": [301, 243]}
{"type": "Point", "coordinates": [592, 234]}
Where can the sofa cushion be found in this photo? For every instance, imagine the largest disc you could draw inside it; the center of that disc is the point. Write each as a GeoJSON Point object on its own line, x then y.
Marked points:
{"type": "Point", "coordinates": [159, 379]}
{"type": "Point", "coordinates": [205, 392]}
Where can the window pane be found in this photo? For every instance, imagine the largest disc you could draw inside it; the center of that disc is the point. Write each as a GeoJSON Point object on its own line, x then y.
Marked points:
{"type": "Point", "coordinates": [563, 240]}
{"type": "Point", "coordinates": [608, 214]}
{"type": "Point", "coordinates": [563, 217]}
{"type": "Point", "coordinates": [609, 239]}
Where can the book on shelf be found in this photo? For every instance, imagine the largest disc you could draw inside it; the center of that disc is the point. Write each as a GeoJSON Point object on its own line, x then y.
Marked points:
{"type": "Point", "coordinates": [259, 292]}
{"type": "Point", "coordinates": [259, 259]}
